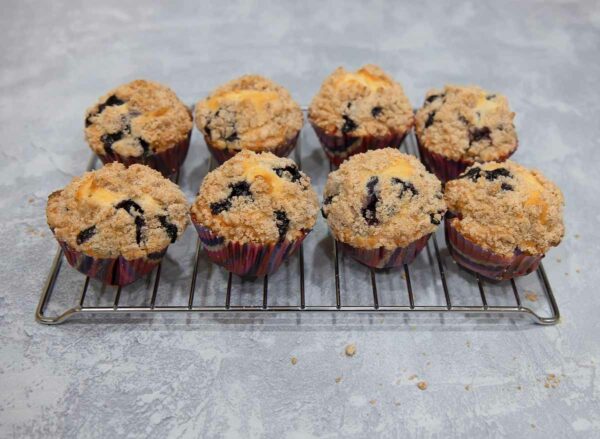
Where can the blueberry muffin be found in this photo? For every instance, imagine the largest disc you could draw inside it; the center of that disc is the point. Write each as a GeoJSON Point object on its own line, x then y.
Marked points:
{"type": "Point", "coordinates": [382, 206]}
{"type": "Point", "coordinates": [115, 224]}
{"type": "Point", "coordinates": [458, 126]}
{"type": "Point", "coordinates": [249, 113]}
{"type": "Point", "coordinates": [140, 122]}
{"type": "Point", "coordinates": [502, 219]}
{"type": "Point", "coordinates": [253, 211]}
{"type": "Point", "coordinates": [357, 111]}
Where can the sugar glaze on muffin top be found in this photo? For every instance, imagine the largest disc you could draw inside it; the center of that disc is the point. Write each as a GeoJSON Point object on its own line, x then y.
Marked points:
{"type": "Point", "coordinates": [250, 112]}
{"type": "Point", "coordinates": [116, 211]}
{"type": "Point", "coordinates": [365, 102]}
{"type": "Point", "coordinates": [466, 123]}
{"type": "Point", "coordinates": [505, 207]}
{"type": "Point", "coordinates": [141, 117]}
{"type": "Point", "coordinates": [382, 198]}
{"type": "Point", "coordinates": [258, 198]}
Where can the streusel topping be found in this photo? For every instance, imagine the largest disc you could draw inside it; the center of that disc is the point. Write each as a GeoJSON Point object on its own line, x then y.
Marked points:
{"type": "Point", "coordinates": [505, 207]}
{"type": "Point", "coordinates": [141, 117]}
{"type": "Point", "coordinates": [382, 198]}
{"type": "Point", "coordinates": [250, 112]}
{"type": "Point", "coordinates": [116, 211]}
{"type": "Point", "coordinates": [365, 102]}
{"type": "Point", "coordinates": [259, 198]}
{"type": "Point", "coordinates": [466, 123]}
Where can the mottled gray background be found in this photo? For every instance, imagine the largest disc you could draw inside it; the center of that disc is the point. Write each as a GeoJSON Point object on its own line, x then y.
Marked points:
{"type": "Point", "coordinates": [225, 377]}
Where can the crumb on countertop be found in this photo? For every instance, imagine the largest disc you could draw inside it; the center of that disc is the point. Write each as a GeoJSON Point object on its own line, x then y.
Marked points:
{"type": "Point", "coordinates": [294, 360]}
{"type": "Point", "coordinates": [338, 380]}
{"type": "Point", "coordinates": [350, 350]}
{"type": "Point", "coordinates": [531, 296]}
{"type": "Point", "coordinates": [373, 402]}
{"type": "Point", "coordinates": [412, 377]}
{"type": "Point", "coordinates": [552, 381]}
{"type": "Point", "coordinates": [468, 387]}
{"type": "Point", "coordinates": [422, 385]}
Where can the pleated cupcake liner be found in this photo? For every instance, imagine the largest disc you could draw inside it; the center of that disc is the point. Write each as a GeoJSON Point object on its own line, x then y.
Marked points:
{"type": "Point", "coordinates": [246, 259]}
{"type": "Point", "coordinates": [222, 155]}
{"type": "Point", "coordinates": [445, 168]}
{"type": "Point", "coordinates": [111, 271]}
{"type": "Point", "coordinates": [485, 262]}
{"type": "Point", "coordinates": [386, 258]}
{"type": "Point", "coordinates": [339, 148]}
{"type": "Point", "coordinates": [167, 162]}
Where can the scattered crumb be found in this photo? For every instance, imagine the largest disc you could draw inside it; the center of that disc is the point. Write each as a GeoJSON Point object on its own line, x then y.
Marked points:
{"type": "Point", "coordinates": [412, 377]}
{"type": "Point", "coordinates": [576, 235]}
{"type": "Point", "coordinates": [519, 388]}
{"type": "Point", "coordinates": [338, 380]}
{"type": "Point", "coordinates": [294, 360]}
{"type": "Point", "coordinates": [350, 350]}
{"type": "Point", "coordinates": [552, 381]}
{"type": "Point", "coordinates": [30, 200]}
{"type": "Point", "coordinates": [373, 402]}
{"type": "Point", "coordinates": [558, 260]}
{"type": "Point", "coordinates": [468, 387]}
{"type": "Point", "coordinates": [531, 296]}
{"type": "Point", "coordinates": [577, 270]}
{"type": "Point", "coordinates": [397, 403]}
{"type": "Point", "coordinates": [422, 385]}
{"type": "Point", "coordinates": [403, 275]}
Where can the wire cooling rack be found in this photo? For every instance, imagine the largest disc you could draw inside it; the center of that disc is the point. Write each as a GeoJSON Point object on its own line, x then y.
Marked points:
{"type": "Point", "coordinates": [321, 281]}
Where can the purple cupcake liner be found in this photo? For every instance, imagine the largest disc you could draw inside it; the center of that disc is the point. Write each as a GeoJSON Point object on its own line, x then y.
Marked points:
{"type": "Point", "coordinates": [111, 271]}
{"type": "Point", "coordinates": [166, 162]}
{"type": "Point", "coordinates": [222, 155]}
{"type": "Point", "coordinates": [445, 168]}
{"type": "Point", "coordinates": [485, 262]}
{"type": "Point", "coordinates": [339, 148]}
{"type": "Point", "coordinates": [386, 258]}
{"type": "Point", "coordinates": [246, 259]}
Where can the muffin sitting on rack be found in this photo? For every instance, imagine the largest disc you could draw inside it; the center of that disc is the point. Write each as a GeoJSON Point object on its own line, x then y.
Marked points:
{"type": "Point", "coordinates": [254, 211]}
{"type": "Point", "coordinates": [140, 122]}
{"type": "Point", "coordinates": [502, 219]}
{"type": "Point", "coordinates": [458, 126]}
{"type": "Point", "coordinates": [115, 224]}
{"type": "Point", "coordinates": [382, 206]}
{"type": "Point", "coordinates": [357, 111]}
{"type": "Point", "coordinates": [249, 113]}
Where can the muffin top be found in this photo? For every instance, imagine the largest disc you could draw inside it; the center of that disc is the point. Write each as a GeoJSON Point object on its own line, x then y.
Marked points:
{"type": "Point", "coordinates": [466, 123]}
{"type": "Point", "coordinates": [250, 112]}
{"type": "Point", "coordinates": [141, 117]}
{"type": "Point", "coordinates": [382, 198]}
{"type": "Point", "coordinates": [361, 103]}
{"type": "Point", "coordinates": [258, 198]}
{"type": "Point", "coordinates": [116, 211]}
{"type": "Point", "coordinates": [505, 207]}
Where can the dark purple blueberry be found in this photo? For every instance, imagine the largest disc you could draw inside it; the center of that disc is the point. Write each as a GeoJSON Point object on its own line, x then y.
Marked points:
{"type": "Point", "coordinates": [283, 223]}
{"type": "Point", "coordinates": [170, 228]}
{"type": "Point", "coordinates": [140, 222]}
{"type": "Point", "coordinates": [463, 119]}
{"type": "Point", "coordinates": [430, 119]}
{"type": "Point", "coordinates": [232, 137]}
{"type": "Point", "coordinates": [109, 139]}
{"type": "Point", "coordinates": [290, 172]}
{"type": "Point", "coordinates": [111, 101]}
{"type": "Point", "coordinates": [432, 98]}
{"type": "Point", "coordinates": [376, 111]}
{"type": "Point", "coordinates": [472, 174]}
{"type": "Point", "coordinates": [436, 217]}
{"type": "Point", "coordinates": [85, 235]}
{"type": "Point", "coordinates": [130, 206]}
{"type": "Point", "coordinates": [406, 186]}
{"type": "Point", "coordinates": [477, 134]}
{"type": "Point", "coordinates": [496, 173]}
{"type": "Point", "coordinates": [240, 189]}
{"type": "Point", "coordinates": [369, 212]}
{"type": "Point", "coordinates": [145, 146]}
{"type": "Point", "coordinates": [220, 206]}
{"type": "Point", "coordinates": [155, 255]}
{"type": "Point", "coordinates": [507, 187]}
{"type": "Point", "coordinates": [349, 124]}
{"type": "Point", "coordinates": [490, 97]}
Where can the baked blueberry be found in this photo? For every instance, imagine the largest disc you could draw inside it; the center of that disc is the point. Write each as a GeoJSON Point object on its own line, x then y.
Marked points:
{"type": "Point", "coordinates": [86, 234]}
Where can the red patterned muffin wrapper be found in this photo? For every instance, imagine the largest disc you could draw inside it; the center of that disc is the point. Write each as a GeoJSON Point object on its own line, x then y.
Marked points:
{"type": "Point", "coordinates": [111, 271]}
{"type": "Point", "coordinates": [386, 258]}
{"type": "Point", "coordinates": [167, 162]}
{"type": "Point", "coordinates": [222, 155]}
{"type": "Point", "coordinates": [339, 148]}
{"type": "Point", "coordinates": [485, 262]}
{"type": "Point", "coordinates": [246, 259]}
{"type": "Point", "coordinates": [447, 169]}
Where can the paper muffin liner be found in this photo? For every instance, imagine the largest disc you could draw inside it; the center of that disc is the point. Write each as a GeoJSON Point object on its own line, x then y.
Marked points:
{"type": "Point", "coordinates": [445, 168]}
{"type": "Point", "coordinates": [339, 148]}
{"type": "Point", "coordinates": [111, 271]}
{"type": "Point", "coordinates": [246, 259]}
{"type": "Point", "coordinates": [386, 258]}
{"type": "Point", "coordinates": [222, 155]}
{"type": "Point", "coordinates": [485, 262]}
{"type": "Point", "coordinates": [167, 162]}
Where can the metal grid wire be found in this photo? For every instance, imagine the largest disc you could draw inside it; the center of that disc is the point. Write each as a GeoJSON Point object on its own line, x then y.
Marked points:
{"type": "Point", "coordinates": [439, 264]}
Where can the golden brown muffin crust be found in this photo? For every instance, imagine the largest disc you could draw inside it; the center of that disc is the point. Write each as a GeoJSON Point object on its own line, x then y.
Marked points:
{"type": "Point", "coordinates": [258, 198]}
{"type": "Point", "coordinates": [382, 198]}
{"type": "Point", "coordinates": [250, 112]}
{"type": "Point", "coordinates": [365, 102]}
{"type": "Point", "coordinates": [466, 123]}
{"type": "Point", "coordinates": [504, 207]}
{"type": "Point", "coordinates": [114, 211]}
{"type": "Point", "coordinates": [136, 118]}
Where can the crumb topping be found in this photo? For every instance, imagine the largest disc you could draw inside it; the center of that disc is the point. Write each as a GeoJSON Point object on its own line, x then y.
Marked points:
{"type": "Point", "coordinates": [505, 207]}
{"type": "Point", "coordinates": [382, 198]}
{"type": "Point", "coordinates": [141, 117]}
{"type": "Point", "coordinates": [259, 198]}
{"type": "Point", "coordinates": [116, 211]}
{"type": "Point", "coordinates": [361, 103]}
{"type": "Point", "coordinates": [250, 112]}
{"type": "Point", "coordinates": [466, 123]}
